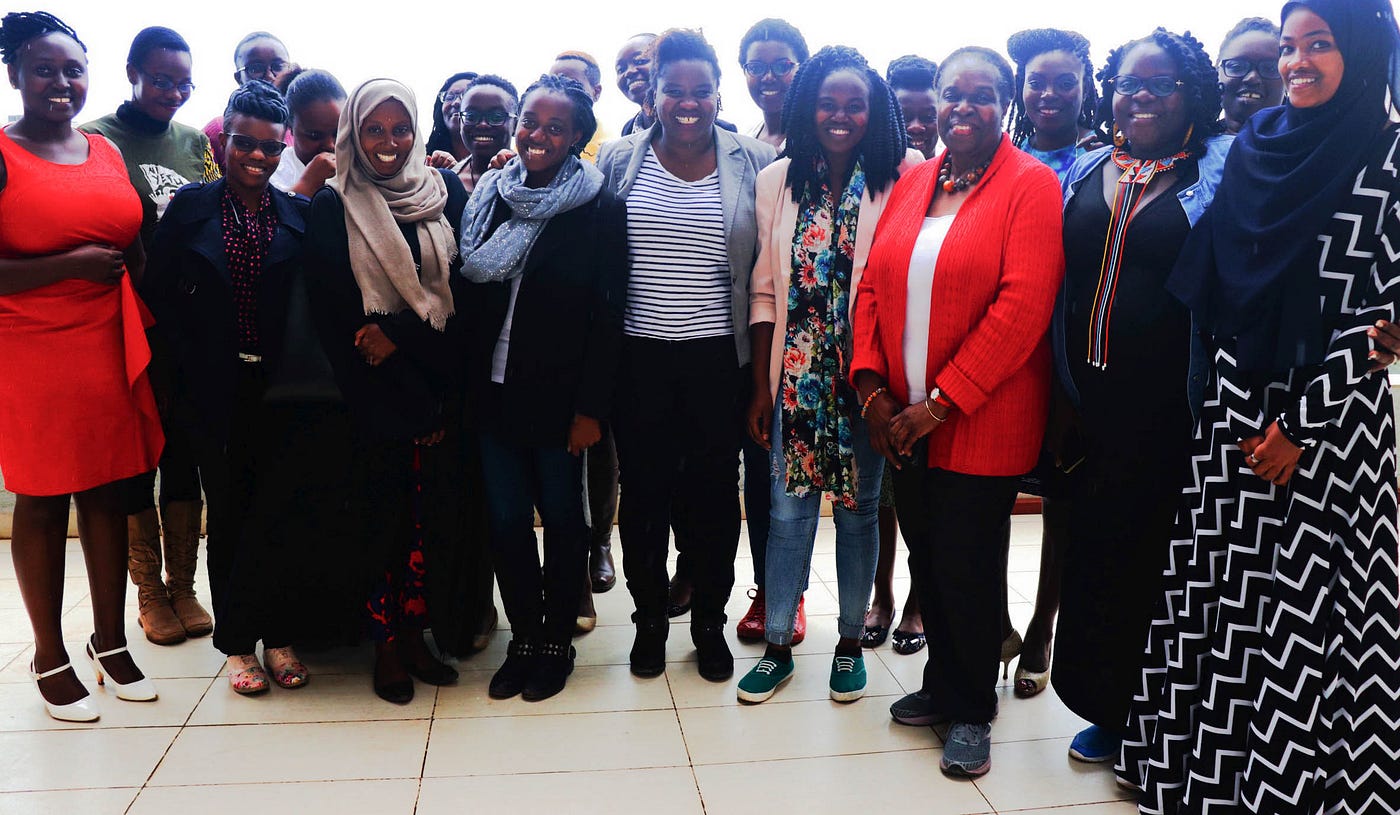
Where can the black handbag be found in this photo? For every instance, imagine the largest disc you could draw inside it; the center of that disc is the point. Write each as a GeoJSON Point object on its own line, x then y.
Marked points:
{"type": "Point", "coordinates": [303, 373]}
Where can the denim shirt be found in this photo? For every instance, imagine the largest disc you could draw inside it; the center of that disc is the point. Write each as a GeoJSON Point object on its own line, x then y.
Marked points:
{"type": "Point", "coordinates": [1193, 200]}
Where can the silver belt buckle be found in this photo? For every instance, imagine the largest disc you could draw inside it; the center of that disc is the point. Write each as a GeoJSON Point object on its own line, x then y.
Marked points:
{"type": "Point", "coordinates": [249, 357]}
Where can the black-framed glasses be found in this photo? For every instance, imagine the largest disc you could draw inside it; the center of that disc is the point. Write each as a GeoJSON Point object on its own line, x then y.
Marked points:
{"type": "Point", "coordinates": [247, 144]}
{"type": "Point", "coordinates": [471, 118]}
{"type": "Point", "coordinates": [165, 83]}
{"type": "Point", "coordinates": [1238, 67]}
{"type": "Point", "coordinates": [259, 68]}
{"type": "Point", "coordinates": [1127, 84]}
{"type": "Point", "coordinates": [756, 68]}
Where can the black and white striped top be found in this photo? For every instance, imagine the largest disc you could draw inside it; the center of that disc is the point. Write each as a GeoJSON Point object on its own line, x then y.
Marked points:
{"type": "Point", "coordinates": [680, 287]}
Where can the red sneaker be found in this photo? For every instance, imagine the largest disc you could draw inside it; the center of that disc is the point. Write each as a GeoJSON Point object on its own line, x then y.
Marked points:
{"type": "Point", "coordinates": [751, 626]}
{"type": "Point", "coordinates": [799, 623]}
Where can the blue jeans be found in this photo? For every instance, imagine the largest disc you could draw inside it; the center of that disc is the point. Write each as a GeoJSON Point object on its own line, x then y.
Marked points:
{"type": "Point", "coordinates": [793, 531]}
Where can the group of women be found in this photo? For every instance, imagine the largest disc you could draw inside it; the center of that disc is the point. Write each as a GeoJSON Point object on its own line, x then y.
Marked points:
{"type": "Point", "coordinates": [881, 292]}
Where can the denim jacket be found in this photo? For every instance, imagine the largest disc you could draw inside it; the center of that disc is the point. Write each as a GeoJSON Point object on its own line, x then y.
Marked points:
{"type": "Point", "coordinates": [1194, 200]}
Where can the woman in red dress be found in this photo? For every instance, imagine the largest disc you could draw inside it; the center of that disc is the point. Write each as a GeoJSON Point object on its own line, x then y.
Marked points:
{"type": "Point", "coordinates": [76, 411]}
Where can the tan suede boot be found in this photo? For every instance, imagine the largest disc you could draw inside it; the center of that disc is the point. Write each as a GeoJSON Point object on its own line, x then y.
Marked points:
{"type": "Point", "coordinates": [181, 528]}
{"type": "Point", "coordinates": [158, 619]}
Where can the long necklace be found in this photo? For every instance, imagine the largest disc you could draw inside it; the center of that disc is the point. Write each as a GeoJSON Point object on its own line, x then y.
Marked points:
{"type": "Point", "coordinates": [963, 182]}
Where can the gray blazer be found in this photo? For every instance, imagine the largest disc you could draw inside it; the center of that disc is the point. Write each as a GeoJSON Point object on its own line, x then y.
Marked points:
{"type": "Point", "coordinates": [739, 158]}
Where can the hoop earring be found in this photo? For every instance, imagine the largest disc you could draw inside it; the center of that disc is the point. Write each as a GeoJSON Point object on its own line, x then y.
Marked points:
{"type": "Point", "coordinates": [1119, 140]}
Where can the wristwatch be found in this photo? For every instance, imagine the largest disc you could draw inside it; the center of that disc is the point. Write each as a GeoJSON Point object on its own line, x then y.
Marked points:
{"type": "Point", "coordinates": [936, 395]}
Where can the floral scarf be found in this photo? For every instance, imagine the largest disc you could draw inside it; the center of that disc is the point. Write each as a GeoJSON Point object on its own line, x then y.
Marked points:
{"type": "Point", "coordinates": [816, 397]}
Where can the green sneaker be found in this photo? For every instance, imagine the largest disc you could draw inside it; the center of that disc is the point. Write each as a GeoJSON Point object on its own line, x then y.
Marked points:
{"type": "Point", "coordinates": [760, 683]}
{"type": "Point", "coordinates": [847, 678]}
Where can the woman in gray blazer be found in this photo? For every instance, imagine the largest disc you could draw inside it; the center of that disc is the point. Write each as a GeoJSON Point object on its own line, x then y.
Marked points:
{"type": "Point", "coordinates": [692, 241]}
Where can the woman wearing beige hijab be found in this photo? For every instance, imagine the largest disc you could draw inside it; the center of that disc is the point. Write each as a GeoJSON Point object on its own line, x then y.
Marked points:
{"type": "Point", "coordinates": [381, 252]}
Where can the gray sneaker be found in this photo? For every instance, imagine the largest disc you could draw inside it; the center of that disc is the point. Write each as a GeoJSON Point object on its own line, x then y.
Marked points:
{"type": "Point", "coordinates": [916, 710]}
{"type": "Point", "coordinates": [967, 752]}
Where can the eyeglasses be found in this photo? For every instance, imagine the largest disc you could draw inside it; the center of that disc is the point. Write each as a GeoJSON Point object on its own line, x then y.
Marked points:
{"type": "Point", "coordinates": [1236, 68]}
{"type": "Point", "coordinates": [448, 97]}
{"type": "Point", "coordinates": [260, 68]}
{"type": "Point", "coordinates": [247, 144]}
{"type": "Point", "coordinates": [470, 118]}
{"type": "Point", "coordinates": [165, 83]}
{"type": "Point", "coordinates": [779, 67]}
{"type": "Point", "coordinates": [1127, 85]}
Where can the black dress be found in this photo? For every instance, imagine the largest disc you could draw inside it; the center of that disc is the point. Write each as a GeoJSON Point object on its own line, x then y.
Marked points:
{"type": "Point", "coordinates": [1133, 423]}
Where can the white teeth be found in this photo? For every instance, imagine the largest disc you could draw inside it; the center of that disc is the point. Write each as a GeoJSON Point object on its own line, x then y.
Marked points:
{"type": "Point", "coordinates": [838, 131]}
{"type": "Point", "coordinates": [1144, 115]}
{"type": "Point", "coordinates": [59, 100]}
{"type": "Point", "coordinates": [484, 139]}
{"type": "Point", "coordinates": [254, 170]}
{"type": "Point", "coordinates": [771, 93]}
{"type": "Point", "coordinates": [387, 158]}
{"type": "Point", "coordinates": [1301, 80]}
{"type": "Point", "coordinates": [960, 129]}
{"type": "Point", "coordinates": [1251, 96]}
{"type": "Point", "coordinates": [535, 151]}
{"type": "Point", "coordinates": [687, 120]}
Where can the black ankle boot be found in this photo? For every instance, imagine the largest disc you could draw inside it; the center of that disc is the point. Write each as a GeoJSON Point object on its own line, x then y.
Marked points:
{"type": "Point", "coordinates": [600, 566]}
{"type": "Point", "coordinates": [553, 664]}
{"type": "Point", "coordinates": [648, 655]}
{"type": "Point", "coordinates": [716, 663]}
{"type": "Point", "coordinates": [510, 679]}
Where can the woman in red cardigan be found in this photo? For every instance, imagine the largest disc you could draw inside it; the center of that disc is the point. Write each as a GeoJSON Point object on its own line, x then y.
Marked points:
{"type": "Point", "coordinates": [958, 403]}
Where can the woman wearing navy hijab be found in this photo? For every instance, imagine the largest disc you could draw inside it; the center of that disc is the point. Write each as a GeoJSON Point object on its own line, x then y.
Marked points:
{"type": "Point", "coordinates": [1273, 664]}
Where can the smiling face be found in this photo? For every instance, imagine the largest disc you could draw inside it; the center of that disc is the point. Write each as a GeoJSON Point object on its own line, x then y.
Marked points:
{"type": "Point", "coordinates": [1053, 94]}
{"type": "Point", "coordinates": [1244, 96]}
{"type": "Point", "coordinates": [545, 134]}
{"type": "Point", "coordinates": [920, 109]}
{"type": "Point", "coordinates": [386, 137]}
{"type": "Point", "coordinates": [686, 101]}
{"type": "Point", "coordinates": [162, 66]}
{"type": "Point", "coordinates": [314, 129]}
{"type": "Point", "coordinates": [1155, 126]}
{"type": "Point", "coordinates": [482, 103]}
{"type": "Point", "coordinates": [767, 91]}
{"type": "Point", "coordinates": [634, 69]}
{"type": "Point", "coordinates": [51, 74]}
{"type": "Point", "coordinates": [454, 94]}
{"type": "Point", "coordinates": [969, 110]}
{"type": "Point", "coordinates": [250, 171]}
{"type": "Point", "coordinates": [843, 113]}
{"type": "Point", "coordinates": [1309, 60]}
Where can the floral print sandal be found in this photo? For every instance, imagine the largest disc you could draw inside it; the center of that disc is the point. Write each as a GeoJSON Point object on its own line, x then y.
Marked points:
{"type": "Point", "coordinates": [245, 675]}
{"type": "Point", "coordinates": [287, 671]}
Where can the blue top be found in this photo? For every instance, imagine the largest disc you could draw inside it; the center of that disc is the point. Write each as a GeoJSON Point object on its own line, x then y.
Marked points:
{"type": "Point", "coordinates": [1058, 160]}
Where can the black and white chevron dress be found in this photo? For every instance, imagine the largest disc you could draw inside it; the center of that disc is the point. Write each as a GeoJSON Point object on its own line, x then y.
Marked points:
{"type": "Point", "coordinates": [1272, 672]}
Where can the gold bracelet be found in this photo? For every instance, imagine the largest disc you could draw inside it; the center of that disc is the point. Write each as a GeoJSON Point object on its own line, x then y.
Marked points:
{"type": "Point", "coordinates": [929, 408]}
{"type": "Point", "coordinates": [865, 408]}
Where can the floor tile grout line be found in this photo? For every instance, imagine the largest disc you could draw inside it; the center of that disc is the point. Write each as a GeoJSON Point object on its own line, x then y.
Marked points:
{"type": "Point", "coordinates": [427, 742]}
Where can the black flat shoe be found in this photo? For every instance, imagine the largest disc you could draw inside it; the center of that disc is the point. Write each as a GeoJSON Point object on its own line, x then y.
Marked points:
{"type": "Point", "coordinates": [874, 636]}
{"type": "Point", "coordinates": [400, 693]}
{"type": "Point", "coordinates": [510, 679]}
{"type": "Point", "coordinates": [908, 642]}
{"type": "Point", "coordinates": [648, 656]}
{"type": "Point", "coordinates": [553, 664]}
{"type": "Point", "coordinates": [715, 661]}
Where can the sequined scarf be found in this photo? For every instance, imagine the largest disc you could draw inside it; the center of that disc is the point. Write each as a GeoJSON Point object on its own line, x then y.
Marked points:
{"type": "Point", "coordinates": [816, 397]}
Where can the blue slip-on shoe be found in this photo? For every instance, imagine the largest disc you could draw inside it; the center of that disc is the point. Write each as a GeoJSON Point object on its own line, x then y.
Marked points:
{"type": "Point", "coordinates": [1094, 745]}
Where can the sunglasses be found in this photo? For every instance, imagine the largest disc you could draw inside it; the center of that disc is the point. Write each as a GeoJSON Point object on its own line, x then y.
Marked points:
{"type": "Point", "coordinates": [470, 118]}
{"type": "Point", "coordinates": [165, 83]}
{"type": "Point", "coordinates": [780, 67]}
{"type": "Point", "coordinates": [256, 68]}
{"type": "Point", "coordinates": [1127, 85]}
{"type": "Point", "coordinates": [247, 144]}
{"type": "Point", "coordinates": [1236, 68]}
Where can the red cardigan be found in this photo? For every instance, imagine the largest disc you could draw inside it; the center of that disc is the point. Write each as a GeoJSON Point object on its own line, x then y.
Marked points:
{"type": "Point", "coordinates": [994, 288]}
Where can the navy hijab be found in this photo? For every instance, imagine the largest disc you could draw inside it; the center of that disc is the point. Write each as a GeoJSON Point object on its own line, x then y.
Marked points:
{"type": "Point", "coordinates": [1249, 269]}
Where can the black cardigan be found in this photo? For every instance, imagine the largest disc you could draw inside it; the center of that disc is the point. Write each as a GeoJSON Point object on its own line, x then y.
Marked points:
{"type": "Point", "coordinates": [403, 397]}
{"type": "Point", "coordinates": [189, 290]}
{"type": "Point", "coordinates": [566, 331]}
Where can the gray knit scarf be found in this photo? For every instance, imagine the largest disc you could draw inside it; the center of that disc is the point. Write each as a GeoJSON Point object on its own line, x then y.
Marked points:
{"type": "Point", "coordinates": [502, 256]}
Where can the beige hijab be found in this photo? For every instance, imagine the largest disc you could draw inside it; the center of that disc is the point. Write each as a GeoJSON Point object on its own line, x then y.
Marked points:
{"type": "Point", "coordinates": [374, 206]}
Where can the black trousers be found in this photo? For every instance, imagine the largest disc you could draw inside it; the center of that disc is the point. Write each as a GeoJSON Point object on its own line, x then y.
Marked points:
{"type": "Point", "coordinates": [675, 416]}
{"type": "Point", "coordinates": [955, 527]}
{"type": "Point", "coordinates": [600, 464]}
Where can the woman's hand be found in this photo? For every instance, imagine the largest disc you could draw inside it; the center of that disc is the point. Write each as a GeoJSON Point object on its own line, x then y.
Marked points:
{"type": "Point", "coordinates": [441, 160]}
{"type": "Point", "coordinates": [760, 418]}
{"type": "Point", "coordinates": [431, 439]}
{"type": "Point", "coordinates": [499, 160]}
{"type": "Point", "coordinates": [320, 170]}
{"type": "Point", "coordinates": [373, 344]}
{"type": "Point", "coordinates": [1386, 336]}
{"type": "Point", "coordinates": [1271, 456]}
{"type": "Point", "coordinates": [583, 433]}
{"type": "Point", "coordinates": [912, 424]}
{"type": "Point", "coordinates": [877, 423]}
{"type": "Point", "coordinates": [96, 262]}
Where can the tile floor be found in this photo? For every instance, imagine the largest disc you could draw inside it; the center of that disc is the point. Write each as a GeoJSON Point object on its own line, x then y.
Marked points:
{"type": "Point", "coordinates": [610, 743]}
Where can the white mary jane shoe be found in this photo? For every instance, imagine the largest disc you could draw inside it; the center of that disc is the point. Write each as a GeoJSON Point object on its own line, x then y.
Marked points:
{"type": "Point", "coordinates": [83, 710]}
{"type": "Point", "coordinates": [142, 690]}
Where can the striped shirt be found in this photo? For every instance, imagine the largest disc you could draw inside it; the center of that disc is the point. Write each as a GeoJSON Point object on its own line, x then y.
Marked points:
{"type": "Point", "coordinates": [680, 287]}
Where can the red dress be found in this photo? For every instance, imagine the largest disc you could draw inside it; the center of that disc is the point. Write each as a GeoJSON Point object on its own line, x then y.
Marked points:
{"type": "Point", "coordinates": [76, 409]}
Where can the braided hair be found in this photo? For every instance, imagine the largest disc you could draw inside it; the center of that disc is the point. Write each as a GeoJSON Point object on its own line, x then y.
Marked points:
{"type": "Point", "coordinates": [773, 29]}
{"type": "Point", "coordinates": [1006, 78]}
{"type": "Point", "coordinates": [881, 149]}
{"type": "Point", "coordinates": [1025, 46]}
{"type": "Point", "coordinates": [1250, 24]}
{"type": "Point", "coordinates": [1194, 67]}
{"type": "Point", "coordinates": [582, 101]}
{"type": "Point", "coordinates": [498, 82]}
{"type": "Point", "coordinates": [440, 137]}
{"type": "Point", "coordinates": [259, 99]}
{"type": "Point", "coordinates": [19, 27]}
